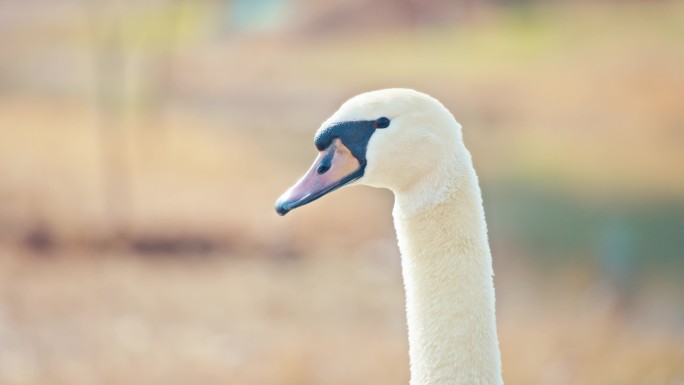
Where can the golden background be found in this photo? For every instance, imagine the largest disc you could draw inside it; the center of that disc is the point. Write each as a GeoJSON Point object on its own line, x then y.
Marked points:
{"type": "Point", "coordinates": [143, 145]}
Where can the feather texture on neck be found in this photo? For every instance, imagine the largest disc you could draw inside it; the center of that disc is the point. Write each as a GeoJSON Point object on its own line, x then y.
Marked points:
{"type": "Point", "coordinates": [447, 269]}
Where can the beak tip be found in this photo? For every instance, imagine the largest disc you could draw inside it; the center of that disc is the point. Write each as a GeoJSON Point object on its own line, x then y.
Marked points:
{"type": "Point", "coordinates": [281, 208]}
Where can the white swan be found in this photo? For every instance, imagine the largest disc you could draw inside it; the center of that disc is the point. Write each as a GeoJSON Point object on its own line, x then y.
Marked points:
{"type": "Point", "coordinates": [410, 143]}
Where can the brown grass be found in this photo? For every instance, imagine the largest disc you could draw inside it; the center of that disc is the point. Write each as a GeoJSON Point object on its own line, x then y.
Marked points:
{"type": "Point", "coordinates": [317, 320]}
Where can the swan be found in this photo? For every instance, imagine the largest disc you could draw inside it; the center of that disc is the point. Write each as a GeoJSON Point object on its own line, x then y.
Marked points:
{"type": "Point", "coordinates": [408, 142]}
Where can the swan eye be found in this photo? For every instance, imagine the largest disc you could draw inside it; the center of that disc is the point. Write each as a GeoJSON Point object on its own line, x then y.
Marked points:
{"type": "Point", "coordinates": [381, 123]}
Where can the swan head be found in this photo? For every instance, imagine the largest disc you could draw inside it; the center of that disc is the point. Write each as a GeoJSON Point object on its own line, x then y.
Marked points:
{"type": "Point", "coordinates": [393, 138]}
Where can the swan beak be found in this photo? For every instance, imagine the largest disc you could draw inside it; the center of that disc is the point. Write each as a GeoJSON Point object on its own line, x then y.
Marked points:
{"type": "Point", "coordinates": [334, 167]}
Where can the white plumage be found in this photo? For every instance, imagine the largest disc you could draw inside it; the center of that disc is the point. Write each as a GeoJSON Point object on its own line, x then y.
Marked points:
{"type": "Point", "coordinates": [441, 230]}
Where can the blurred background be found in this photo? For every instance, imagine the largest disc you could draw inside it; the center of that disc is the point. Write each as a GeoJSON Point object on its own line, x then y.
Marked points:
{"type": "Point", "coordinates": [143, 144]}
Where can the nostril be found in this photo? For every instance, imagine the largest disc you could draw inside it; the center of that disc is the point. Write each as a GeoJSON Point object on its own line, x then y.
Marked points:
{"type": "Point", "coordinates": [326, 162]}
{"type": "Point", "coordinates": [323, 168]}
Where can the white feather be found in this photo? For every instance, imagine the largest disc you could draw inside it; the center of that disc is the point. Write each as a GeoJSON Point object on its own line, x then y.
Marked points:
{"type": "Point", "coordinates": [442, 235]}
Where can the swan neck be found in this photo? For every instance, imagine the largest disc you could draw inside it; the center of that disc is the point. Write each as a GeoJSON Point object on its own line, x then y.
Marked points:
{"type": "Point", "coordinates": [447, 271]}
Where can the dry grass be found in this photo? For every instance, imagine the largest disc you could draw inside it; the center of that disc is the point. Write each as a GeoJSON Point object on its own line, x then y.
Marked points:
{"type": "Point", "coordinates": [189, 178]}
{"type": "Point", "coordinates": [317, 320]}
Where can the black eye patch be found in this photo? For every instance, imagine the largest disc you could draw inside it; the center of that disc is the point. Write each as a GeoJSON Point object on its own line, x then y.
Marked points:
{"type": "Point", "coordinates": [353, 134]}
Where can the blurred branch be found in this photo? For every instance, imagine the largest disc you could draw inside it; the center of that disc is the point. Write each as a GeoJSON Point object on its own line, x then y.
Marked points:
{"type": "Point", "coordinates": [160, 68]}
{"type": "Point", "coordinates": [110, 80]}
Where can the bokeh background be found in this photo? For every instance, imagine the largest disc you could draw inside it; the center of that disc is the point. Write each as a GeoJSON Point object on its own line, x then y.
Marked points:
{"type": "Point", "coordinates": [143, 144]}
